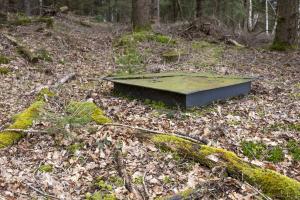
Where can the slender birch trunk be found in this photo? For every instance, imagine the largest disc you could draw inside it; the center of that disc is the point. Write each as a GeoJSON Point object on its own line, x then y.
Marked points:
{"type": "Point", "coordinates": [267, 18]}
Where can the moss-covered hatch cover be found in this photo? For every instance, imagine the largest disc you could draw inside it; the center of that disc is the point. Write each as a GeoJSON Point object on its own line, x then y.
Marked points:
{"type": "Point", "coordinates": [187, 89]}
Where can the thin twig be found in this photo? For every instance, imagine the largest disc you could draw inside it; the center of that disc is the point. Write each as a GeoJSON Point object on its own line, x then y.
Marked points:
{"type": "Point", "coordinates": [41, 192]}
{"type": "Point", "coordinates": [145, 186]}
{"type": "Point", "coordinates": [200, 140]}
{"type": "Point", "coordinates": [122, 173]}
{"type": "Point", "coordinates": [24, 131]}
{"type": "Point", "coordinates": [259, 192]}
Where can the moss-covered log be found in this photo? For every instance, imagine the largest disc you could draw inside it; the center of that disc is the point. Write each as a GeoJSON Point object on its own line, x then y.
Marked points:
{"type": "Point", "coordinates": [22, 121]}
{"type": "Point", "coordinates": [26, 52]}
{"type": "Point", "coordinates": [273, 184]}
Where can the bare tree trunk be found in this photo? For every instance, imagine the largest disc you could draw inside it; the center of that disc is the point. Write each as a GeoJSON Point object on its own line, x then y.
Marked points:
{"type": "Point", "coordinates": [250, 12]}
{"type": "Point", "coordinates": [27, 7]}
{"type": "Point", "coordinates": [41, 7]}
{"type": "Point", "coordinates": [141, 14]}
{"type": "Point", "coordinates": [199, 8]}
{"type": "Point", "coordinates": [267, 18]}
{"type": "Point", "coordinates": [155, 10]}
{"type": "Point", "coordinates": [287, 24]}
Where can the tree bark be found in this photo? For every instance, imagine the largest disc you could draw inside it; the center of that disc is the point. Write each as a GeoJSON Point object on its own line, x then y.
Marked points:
{"type": "Point", "coordinates": [155, 10]}
{"type": "Point", "coordinates": [199, 8]}
{"type": "Point", "coordinates": [267, 17]}
{"type": "Point", "coordinates": [250, 13]}
{"type": "Point", "coordinates": [287, 24]}
{"type": "Point", "coordinates": [27, 7]}
{"type": "Point", "coordinates": [141, 15]}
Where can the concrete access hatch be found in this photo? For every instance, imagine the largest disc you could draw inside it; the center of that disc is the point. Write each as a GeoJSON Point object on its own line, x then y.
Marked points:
{"type": "Point", "coordinates": [181, 88]}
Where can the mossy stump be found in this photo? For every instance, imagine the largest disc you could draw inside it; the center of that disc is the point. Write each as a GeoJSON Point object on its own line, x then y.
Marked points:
{"type": "Point", "coordinates": [273, 184]}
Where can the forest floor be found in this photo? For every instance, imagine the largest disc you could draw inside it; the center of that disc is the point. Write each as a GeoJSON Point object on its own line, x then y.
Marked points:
{"type": "Point", "coordinates": [263, 127]}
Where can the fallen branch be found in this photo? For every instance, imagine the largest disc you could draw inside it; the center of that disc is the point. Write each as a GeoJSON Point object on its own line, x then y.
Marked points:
{"type": "Point", "coordinates": [180, 135]}
{"type": "Point", "coordinates": [41, 192]}
{"type": "Point", "coordinates": [122, 173]}
{"type": "Point", "coordinates": [273, 184]}
{"type": "Point", "coordinates": [27, 53]}
{"type": "Point", "coordinates": [62, 81]}
{"type": "Point", "coordinates": [235, 43]}
{"type": "Point", "coordinates": [24, 131]}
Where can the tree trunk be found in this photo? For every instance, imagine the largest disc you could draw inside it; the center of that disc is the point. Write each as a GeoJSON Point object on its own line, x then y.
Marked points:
{"type": "Point", "coordinates": [141, 15]}
{"type": "Point", "coordinates": [250, 13]}
{"type": "Point", "coordinates": [155, 10]}
{"type": "Point", "coordinates": [287, 24]}
{"type": "Point", "coordinates": [27, 7]}
{"type": "Point", "coordinates": [199, 8]}
{"type": "Point", "coordinates": [267, 17]}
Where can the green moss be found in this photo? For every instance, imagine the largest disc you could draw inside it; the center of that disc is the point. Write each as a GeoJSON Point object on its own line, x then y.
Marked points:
{"type": "Point", "coordinates": [22, 121]}
{"type": "Point", "coordinates": [208, 54]}
{"type": "Point", "coordinates": [143, 36]}
{"type": "Point", "coordinates": [102, 185]}
{"type": "Point", "coordinates": [44, 55]}
{"type": "Point", "coordinates": [275, 155]}
{"type": "Point", "coordinates": [286, 127]}
{"type": "Point", "coordinates": [45, 92]}
{"type": "Point", "coordinates": [21, 19]}
{"type": "Point", "coordinates": [4, 59]}
{"type": "Point", "coordinates": [183, 84]}
{"type": "Point", "coordinates": [28, 54]}
{"type": "Point", "coordinates": [4, 70]}
{"type": "Point", "coordinates": [75, 147]}
{"type": "Point", "coordinates": [129, 60]}
{"type": "Point", "coordinates": [138, 180]}
{"type": "Point", "coordinates": [116, 181]}
{"type": "Point", "coordinates": [49, 21]}
{"type": "Point", "coordinates": [184, 195]}
{"type": "Point", "coordinates": [294, 149]}
{"type": "Point", "coordinates": [46, 168]}
{"type": "Point", "coordinates": [281, 46]}
{"type": "Point", "coordinates": [159, 105]}
{"type": "Point", "coordinates": [85, 112]}
{"type": "Point", "coordinates": [167, 180]}
{"type": "Point", "coordinates": [253, 150]}
{"type": "Point", "coordinates": [273, 184]}
{"type": "Point", "coordinates": [173, 55]}
{"type": "Point", "coordinates": [100, 196]}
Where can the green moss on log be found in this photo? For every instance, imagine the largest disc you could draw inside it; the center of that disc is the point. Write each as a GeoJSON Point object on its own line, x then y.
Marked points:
{"type": "Point", "coordinates": [23, 120]}
{"type": "Point", "coordinates": [84, 112]}
{"type": "Point", "coordinates": [273, 184]}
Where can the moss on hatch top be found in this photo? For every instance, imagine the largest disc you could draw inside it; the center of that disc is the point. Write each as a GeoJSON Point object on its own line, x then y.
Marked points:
{"type": "Point", "coordinates": [182, 84]}
{"type": "Point", "coordinates": [85, 112]}
{"type": "Point", "coordinates": [21, 121]}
